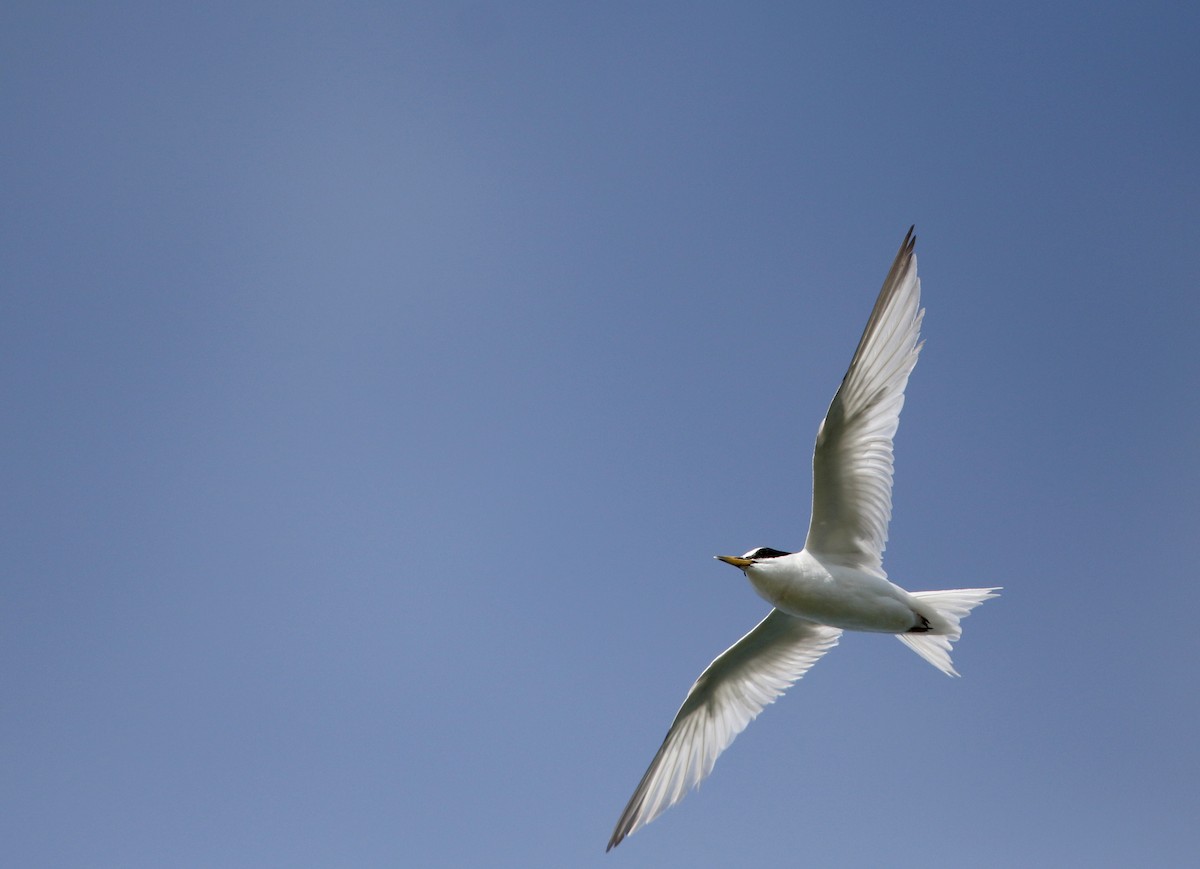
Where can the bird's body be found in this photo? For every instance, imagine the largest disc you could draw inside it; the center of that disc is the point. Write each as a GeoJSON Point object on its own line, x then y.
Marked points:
{"type": "Point", "coordinates": [836, 582]}
{"type": "Point", "coordinates": [843, 597]}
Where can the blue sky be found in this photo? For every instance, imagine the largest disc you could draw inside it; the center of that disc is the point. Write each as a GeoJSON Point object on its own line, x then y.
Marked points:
{"type": "Point", "coordinates": [381, 378]}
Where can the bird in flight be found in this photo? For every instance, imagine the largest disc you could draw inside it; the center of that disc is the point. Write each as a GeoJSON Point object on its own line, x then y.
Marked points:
{"type": "Point", "coordinates": [836, 582]}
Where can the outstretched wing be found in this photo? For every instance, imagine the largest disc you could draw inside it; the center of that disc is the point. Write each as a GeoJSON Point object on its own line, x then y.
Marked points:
{"type": "Point", "coordinates": [852, 463]}
{"type": "Point", "coordinates": [731, 691]}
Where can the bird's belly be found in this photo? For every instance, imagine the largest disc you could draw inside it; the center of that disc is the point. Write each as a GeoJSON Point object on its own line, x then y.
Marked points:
{"type": "Point", "coordinates": [842, 597]}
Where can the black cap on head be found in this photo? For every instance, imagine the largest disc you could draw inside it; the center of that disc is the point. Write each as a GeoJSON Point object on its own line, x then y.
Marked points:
{"type": "Point", "coordinates": [765, 552]}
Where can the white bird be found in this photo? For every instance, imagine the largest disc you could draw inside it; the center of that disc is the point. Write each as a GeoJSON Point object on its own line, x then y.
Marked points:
{"type": "Point", "coordinates": [836, 582]}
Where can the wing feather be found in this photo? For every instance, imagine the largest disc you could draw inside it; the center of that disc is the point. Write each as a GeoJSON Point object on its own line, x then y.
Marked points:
{"type": "Point", "coordinates": [852, 462]}
{"type": "Point", "coordinates": [730, 692]}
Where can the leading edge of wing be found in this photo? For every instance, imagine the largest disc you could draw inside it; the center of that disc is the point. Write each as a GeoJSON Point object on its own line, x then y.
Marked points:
{"type": "Point", "coordinates": [729, 694]}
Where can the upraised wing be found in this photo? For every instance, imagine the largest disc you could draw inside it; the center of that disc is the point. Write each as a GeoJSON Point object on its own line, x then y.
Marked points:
{"type": "Point", "coordinates": [852, 463]}
{"type": "Point", "coordinates": [730, 692]}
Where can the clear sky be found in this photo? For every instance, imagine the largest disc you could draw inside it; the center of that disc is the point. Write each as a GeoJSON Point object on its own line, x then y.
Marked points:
{"type": "Point", "coordinates": [379, 380]}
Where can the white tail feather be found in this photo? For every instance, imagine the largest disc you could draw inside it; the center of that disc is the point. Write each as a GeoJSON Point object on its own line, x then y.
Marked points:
{"type": "Point", "coordinates": [944, 609]}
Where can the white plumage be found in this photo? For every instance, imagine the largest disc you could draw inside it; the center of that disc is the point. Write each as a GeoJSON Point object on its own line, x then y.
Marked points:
{"type": "Point", "coordinates": [837, 581]}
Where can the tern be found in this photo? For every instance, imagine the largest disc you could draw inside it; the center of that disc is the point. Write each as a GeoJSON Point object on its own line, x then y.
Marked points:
{"type": "Point", "coordinates": [836, 582]}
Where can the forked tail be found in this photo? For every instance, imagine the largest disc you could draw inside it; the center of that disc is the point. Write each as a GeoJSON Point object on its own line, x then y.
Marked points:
{"type": "Point", "coordinates": [944, 609]}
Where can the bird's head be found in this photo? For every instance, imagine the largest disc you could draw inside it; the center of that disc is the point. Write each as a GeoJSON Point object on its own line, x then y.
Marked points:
{"type": "Point", "coordinates": [754, 556]}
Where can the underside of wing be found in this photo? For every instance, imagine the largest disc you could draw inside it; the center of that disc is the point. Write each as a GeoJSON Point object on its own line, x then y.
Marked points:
{"type": "Point", "coordinates": [731, 691]}
{"type": "Point", "coordinates": [852, 462]}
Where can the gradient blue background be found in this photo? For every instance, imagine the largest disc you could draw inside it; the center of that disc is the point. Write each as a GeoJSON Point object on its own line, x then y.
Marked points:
{"type": "Point", "coordinates": [379, 380]}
